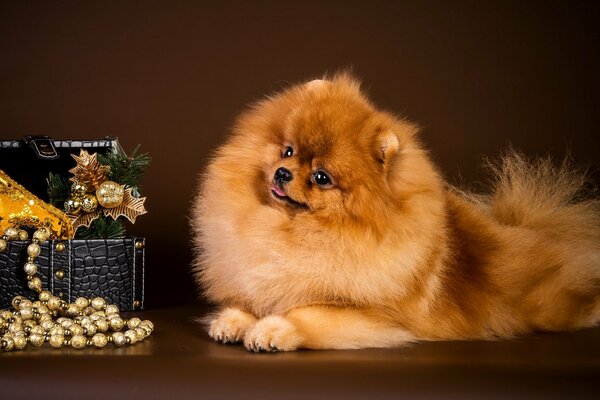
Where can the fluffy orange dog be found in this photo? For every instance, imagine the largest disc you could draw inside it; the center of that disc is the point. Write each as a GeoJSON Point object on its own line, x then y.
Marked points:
{"type": "Point", "coordinates": [322, 223]}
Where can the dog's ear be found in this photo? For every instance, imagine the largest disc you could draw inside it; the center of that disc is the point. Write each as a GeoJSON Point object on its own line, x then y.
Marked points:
{"type": "Point", "coordinates": [317, 84]}
{"type": "Point", "coordinates": [386, 147]}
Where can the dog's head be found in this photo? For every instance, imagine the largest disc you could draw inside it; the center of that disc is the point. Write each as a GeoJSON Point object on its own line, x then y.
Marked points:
{"type": "Point", "coordinates": [326, 151]}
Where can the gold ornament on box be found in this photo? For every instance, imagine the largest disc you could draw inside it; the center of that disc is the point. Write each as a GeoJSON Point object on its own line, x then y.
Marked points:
{"type": "Point", "coordinates": [88, 171]}
{"type": "Point", "coordinates": [131, 207]}
{"type": "Point", "coordinates": [110, 194]}
{"type": "Point", "coordinates": [93, 194]}
{"type": "Point", "coordinates": [72, 206]}
{"type": "Point", "coordinates": [19, 207]}
{"type": "Point", "coordinates": [89, 203]}
{"type": "Point", "coordinates": [78, 189]}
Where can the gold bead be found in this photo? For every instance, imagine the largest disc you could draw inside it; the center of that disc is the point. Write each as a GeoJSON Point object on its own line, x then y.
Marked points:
{"type": "Point", "coordinates": [72, 310]}
{"type": "Point", "coordinates": [20, 342]}
{"type": "Point", "coordinates": [82, 302]}
{"type": "Point", "coordinates": [26, 313]}
{"type": "Point", "coordinates": [140, 333]}
{"type": "Point", "coordinates": [78, 341]}
{"type": "Point", "coordinates": [56, 341]}
{"type": "Point", "coordinates": [102, 325]}
{"type": "Point", "coordinates": [30, 268]}
{"type": "Point", "coordinates": [54, 303]}
{"type": "Point", "coordinates": [119, 339]}
{"type": "Point", "coordinates": [36, 330]}
{"type": "Point", "coordinates": [47, 324]}
{"type": "Point", "coordinates": [35, 284]}
{"type": "Point", "coordinates": [41, 234]}
{"type": "Point", "coordinates": [44, 318]}
{"type": "Point", "coordinates": [111, 309]}
{"type": "Point", "coordinates": [137, 304]}
{"type": "Point", "coordinates": [139, 245]}
{"type": "Point", "coordinates": [59, 274]}
{"type": "Point", "coordinates": [33, 250]}
{"type": "Point", "coordinates": [36, 339]}
{"type": "Point", "coordinates": [60, 247]}
{"type": "Point", "coordinates": [15, 328]}
{"type": "Point", "coordinates": [116, 324]}
{"type": "Point", "coordinates": [91, 329]}
{"type": "Point", "coordinates": [110, 194]}
{"type": "Point", "coordinates": [16, 301]}
{"type": "Point", "coordinates": [57, 330]}
{"type": "Point", "coordinates": [98, 303]}
{"type": "Point", "coordinates": [76, 329]}
{"type": "Point", "coordinates": [2, 245]}
{"type": "Point", "coordinates": [131, 335]}
{"type": "Point", "coordinates": [45, 295]}
{"type": "Point", "coordinates": [12, 233]}
{"type": "Point", "coordinates": [133, 323]}
{"type": "Point", "coordinates": [8, 343]}
{"type": "Point", "coordinates": [23, 235]}
{"type": "Point", "coordinates": [99, 340]}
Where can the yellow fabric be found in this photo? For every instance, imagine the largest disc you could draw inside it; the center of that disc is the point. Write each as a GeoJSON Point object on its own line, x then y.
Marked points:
{"type": "Point", "coordinates": [20, 207]}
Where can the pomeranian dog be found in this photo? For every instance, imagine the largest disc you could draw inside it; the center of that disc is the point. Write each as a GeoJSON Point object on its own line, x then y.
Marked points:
{"type": "Point", "coordinates": [323, 224]}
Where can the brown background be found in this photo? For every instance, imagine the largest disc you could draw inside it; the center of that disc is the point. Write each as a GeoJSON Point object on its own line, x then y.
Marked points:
{"type": "Point", "coordinates": [172, 76]}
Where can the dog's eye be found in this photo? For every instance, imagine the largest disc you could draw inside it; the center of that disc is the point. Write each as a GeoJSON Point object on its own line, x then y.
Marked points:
{"type": "Point", "coordinates": [287, 152]}
{"type": "Point", "coordinates": [322, 179]}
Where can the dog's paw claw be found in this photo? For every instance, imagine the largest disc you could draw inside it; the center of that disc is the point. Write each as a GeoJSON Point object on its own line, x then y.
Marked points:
{"type": "Point", "coordinates": [272, 334]}
{"type": "Point", "coordinates": [230, 325]}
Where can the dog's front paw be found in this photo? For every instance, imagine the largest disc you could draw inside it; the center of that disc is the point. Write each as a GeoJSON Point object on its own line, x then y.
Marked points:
{"type": "Point", "coordinates": [230, 325]}
{"type": "Point", "coordinates": [273, 333]}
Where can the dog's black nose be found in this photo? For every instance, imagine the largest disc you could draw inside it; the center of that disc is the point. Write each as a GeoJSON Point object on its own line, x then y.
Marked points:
{"type": "Point", "coordinates": [283, 175]}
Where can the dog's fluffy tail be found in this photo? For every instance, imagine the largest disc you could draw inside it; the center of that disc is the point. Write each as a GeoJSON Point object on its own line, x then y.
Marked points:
{"type": "Point", "coordinates": [538, 194]}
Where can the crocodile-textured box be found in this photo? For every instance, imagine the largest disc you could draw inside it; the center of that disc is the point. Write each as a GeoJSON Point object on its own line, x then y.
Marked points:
{"type": "Point", "coordinates": [109, 268]}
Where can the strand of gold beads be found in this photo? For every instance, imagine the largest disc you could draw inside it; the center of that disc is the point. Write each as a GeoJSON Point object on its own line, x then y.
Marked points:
{"type": "Point", "coordinates": [83, 323]}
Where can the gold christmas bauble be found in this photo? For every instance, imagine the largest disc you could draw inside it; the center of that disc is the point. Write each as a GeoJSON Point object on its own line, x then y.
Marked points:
{"type": "Point", "coordinates": [78, 189]}
{"type": "Point", "coordinates": [89, 203]}
{"type": "Point", "coordinates": [110, 194]}
{"type": "Point", "coordinates": [72, 206]}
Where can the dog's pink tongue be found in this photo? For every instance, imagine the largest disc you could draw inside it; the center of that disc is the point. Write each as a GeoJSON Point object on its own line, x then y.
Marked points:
{"type": "Point", "coordinates": [278, 190]}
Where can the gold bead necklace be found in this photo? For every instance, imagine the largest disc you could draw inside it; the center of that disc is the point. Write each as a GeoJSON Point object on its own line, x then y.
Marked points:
{"type": "Point", "coordinates": [83, 323]}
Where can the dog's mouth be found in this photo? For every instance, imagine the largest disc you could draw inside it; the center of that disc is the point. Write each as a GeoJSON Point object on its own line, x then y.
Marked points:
{"type": "Point", "coordinates": [279, 194]}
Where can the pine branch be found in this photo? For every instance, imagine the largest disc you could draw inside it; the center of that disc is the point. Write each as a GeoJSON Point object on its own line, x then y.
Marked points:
{"type": "Point", "coordinates": [124, 169]}
{"type": "Point", "coordinates": [59, 189]}
{"type": "Point", "coordinates": [102, 228]}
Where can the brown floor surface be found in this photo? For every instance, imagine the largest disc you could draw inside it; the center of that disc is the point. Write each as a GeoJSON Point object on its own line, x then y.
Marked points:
{"type": "Point", "coordinates": [180, 361]}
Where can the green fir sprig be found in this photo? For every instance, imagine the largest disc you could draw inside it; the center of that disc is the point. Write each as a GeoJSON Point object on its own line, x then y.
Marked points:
{"type": "Point", "coordinates": [126, 169]}
{"type": "Point", "coordinates": [102, 228]}
{"type": "Point", "coordinates": [58, 190]}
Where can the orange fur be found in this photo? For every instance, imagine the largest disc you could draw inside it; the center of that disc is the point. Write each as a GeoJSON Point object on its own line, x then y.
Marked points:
{"type": "Point", "coordinates": [388, 253]}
